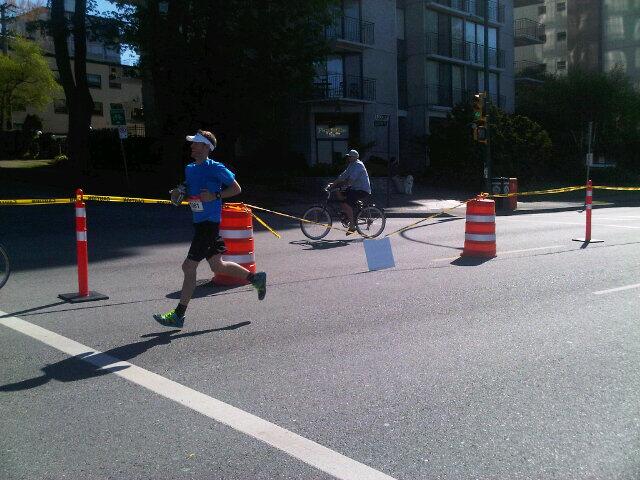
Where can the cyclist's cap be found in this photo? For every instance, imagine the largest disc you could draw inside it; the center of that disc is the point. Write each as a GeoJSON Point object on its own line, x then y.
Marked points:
{"type": "Point", "coordinates": [352, 154]}
{"type": "Point", "coordinates": [200, 138]}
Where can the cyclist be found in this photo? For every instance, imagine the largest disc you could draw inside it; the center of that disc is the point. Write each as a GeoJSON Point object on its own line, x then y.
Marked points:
{"type": "Point", "coordinates": [207, 183]}
{"type": "Point", "coordinates": [356, 180]}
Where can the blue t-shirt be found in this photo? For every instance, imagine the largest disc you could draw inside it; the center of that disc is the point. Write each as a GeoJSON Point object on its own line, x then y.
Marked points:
{"type": "Point", "coordinates": [210, 175]}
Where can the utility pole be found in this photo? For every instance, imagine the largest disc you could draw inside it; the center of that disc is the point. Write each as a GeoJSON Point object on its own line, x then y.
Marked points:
{"type": "Point", "coordinates": [4, 7]}
{"type": "Point", "coordinates": [487, 147]}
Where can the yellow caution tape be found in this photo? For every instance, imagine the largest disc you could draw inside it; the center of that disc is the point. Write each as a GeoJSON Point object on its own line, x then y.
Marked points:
{"type": "Point", "coordinates": [430, 217]}
{"type": "Point", "coordinates": [262, 222]}
{"type": "Point", "coordinates": [535, 192]}
{"type": "Point", "coordinates": [627, 189]}
{"type": "Point", "coordinates": [38, 201]}
{"type": "Point", "coordinates": [296, 218]}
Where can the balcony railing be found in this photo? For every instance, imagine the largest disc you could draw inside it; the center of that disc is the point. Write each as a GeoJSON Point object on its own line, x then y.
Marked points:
{"type": "Point", "coordinates": [528, 67]}
{"type": "Point", "coordinates": [348, 87]}
{"type": "Point", "coordinates": [445, 96]}
{"type": "Point", "coordinates": [526, 3]}
{"type": "Point", "coordinates": [458, 49]}
{"type": "Point", "coordinates": [475, 7]}
{"type": "Point", "coordinates": [528, 32]}
{"type": "Point", "coordinates": [351, 30]}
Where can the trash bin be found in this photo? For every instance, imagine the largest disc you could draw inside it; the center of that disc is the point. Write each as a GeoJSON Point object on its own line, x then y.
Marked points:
{"type": "Point", "coordinates": [499, 186]}
{"type": "Point", "coordinates": [513, 188]}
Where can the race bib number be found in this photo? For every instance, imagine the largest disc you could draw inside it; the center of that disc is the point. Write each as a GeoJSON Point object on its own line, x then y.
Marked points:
{"type": "Point", "coordinates": [196, 204]}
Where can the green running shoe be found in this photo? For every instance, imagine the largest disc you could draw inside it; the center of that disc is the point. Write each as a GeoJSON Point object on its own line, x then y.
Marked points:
{"type": "Point", "coordinates": [170, 319]}
{"type": "Point", "coordinates": [260, 284]}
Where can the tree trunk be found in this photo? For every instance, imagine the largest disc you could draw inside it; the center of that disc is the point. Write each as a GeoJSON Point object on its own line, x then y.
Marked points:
{"type": "Point", "coordinates": [74, 83]}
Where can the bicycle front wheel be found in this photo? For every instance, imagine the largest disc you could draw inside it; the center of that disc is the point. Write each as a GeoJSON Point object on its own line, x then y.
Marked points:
{"type": "Point", "coordinates": [5, 268]}
{"type": "Point", "coordinates": [318, 223]}
{"type": "Point", "coordinates": [370, 222]}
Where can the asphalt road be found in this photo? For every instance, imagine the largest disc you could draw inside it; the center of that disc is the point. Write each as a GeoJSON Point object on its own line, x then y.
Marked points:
{"type": "Point", "coordinates": [522, 366]}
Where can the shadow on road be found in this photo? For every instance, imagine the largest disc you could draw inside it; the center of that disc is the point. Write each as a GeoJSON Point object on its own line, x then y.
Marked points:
{"type": "Point", "coordinates": [321, 244]}
{"type": "Point", "coordinates": [35, 310]}
{"type": "Point", "coordinates": [94, 364]}
{"type": "Point", "coordinates": [205, 288]}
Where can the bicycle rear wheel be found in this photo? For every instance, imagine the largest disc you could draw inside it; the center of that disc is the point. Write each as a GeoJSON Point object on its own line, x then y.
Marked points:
{"type": "Point", "coordinates": [318, 223]}
{"type": "Point", "coordinates": [5, 268]}
{"type": "Point", "coordinates": [371, 221]}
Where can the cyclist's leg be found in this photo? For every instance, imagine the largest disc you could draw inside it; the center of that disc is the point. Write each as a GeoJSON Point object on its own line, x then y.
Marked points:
{"type": "Point", "coordinates": [347, 206]}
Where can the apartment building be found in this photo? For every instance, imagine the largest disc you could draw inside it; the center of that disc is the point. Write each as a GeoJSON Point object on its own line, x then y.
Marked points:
{"type": "Point", "coordinates": [112, 84]}
{"type": "Point", "coordinates": [595, 35]}
{"type": "Point", "coordinates": [412, 60]}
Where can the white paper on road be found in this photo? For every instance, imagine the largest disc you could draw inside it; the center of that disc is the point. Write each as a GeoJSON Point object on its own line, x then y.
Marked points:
{"type": "Point", "coordinates": [379, 254]}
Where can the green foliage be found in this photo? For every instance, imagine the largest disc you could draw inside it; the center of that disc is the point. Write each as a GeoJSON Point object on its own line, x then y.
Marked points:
{"type": "Point", "coordinates": [60, 159]}
{"type": "Point", "coordinates": [564, 106]}
{"type": "Point", "coordinates": [519, 148]}
{"type": "Point", "coordinates": [25, 78]}
{"type": "Point", "coordinates": [234, 67]}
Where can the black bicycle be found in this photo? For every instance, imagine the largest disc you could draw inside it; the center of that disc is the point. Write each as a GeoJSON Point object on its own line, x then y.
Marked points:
{"type": "Point", "coordinates": [370, 220]}
{"type": "Point", "coordinates": [5, 267]}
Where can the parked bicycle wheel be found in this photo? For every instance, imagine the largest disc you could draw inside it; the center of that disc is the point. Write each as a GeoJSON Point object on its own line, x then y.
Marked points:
{"type": "Point", "coordinates": [321, 223]}
{"type": "Point", "coordinates": [371, 221]}
{"type": "Point", "coordinates": [5, 268]}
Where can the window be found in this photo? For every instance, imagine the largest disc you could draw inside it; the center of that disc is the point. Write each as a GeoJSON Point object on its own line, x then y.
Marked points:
{"type": "Point", "coordinates": [542, 9]}
{"type": "Point", "coordinates": [60, 106]}
{"type": "Point", "coordinates": [137, 114]}
{"type": "Point", "coordinates": [97, 109]}
{"type": "Point", "coordinates": [561, 36]}
{"type": "Point", "coordinates": [115, 74]}
{"type": "Point", "coordinates": [561, 6]}
{"type": "Point", "coordinates": [561, 65]}
{"type": "Point", "coordinates": [94, 80]}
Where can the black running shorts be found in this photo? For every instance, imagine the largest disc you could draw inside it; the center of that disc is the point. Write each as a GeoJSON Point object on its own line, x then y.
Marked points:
{"type": "Point", "coordinates": [206, 242]}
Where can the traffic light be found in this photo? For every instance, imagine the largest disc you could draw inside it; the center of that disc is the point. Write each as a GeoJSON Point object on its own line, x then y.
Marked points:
{"type": "Point", "coordinates": [478, 106]}
{"type": "Point", "coordinates": [480, 132]}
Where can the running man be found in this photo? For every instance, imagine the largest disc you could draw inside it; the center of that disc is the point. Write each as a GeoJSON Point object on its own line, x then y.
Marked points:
{"type": "Point", "coordinates": [207, 183]}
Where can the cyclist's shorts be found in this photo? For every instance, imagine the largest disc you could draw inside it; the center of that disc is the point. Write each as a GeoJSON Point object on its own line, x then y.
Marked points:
{"type": "Point", "coordinates": [354, 195]}
{"type": "Point", "coordinates": [206, 242]}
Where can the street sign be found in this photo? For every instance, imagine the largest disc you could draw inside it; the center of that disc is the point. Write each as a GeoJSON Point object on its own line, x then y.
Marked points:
{"type": "Point", "coordinates": [122, 132]}
{"type": "Point", "coordinates": [590, 159]}
{"type": "Point", "coordinates": [381, 120]}
{"type": "Point", "coordinates": [118, 117]}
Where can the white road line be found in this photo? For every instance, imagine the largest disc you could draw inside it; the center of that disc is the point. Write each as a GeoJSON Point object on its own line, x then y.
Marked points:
{"type": "Point", "coordinates": [619, 289]}
{"type": "Point", "coordinates": [594, 224]}
{"type": "Point", "coordinates": [312, 453]}
{"type": "Point", "coordinates": [505, 252]}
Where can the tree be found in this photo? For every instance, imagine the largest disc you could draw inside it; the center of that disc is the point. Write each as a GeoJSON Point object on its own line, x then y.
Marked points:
{"type": "Point", "coordinates": [73, 80]}
{"type": "Point", "coordinates": [25, 79]}
{"type": "Point", "coordinates": [231, 66]}
{"type": "Point", "coordinates": [519, 148]}
{"type": "Point", "coordinates": [564, 106]}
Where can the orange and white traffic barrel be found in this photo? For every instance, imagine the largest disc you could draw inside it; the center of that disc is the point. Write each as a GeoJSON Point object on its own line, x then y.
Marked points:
{"type": "Point", "coordinates": [480, 229]}
{"type": "Point", "coordinates": [236, 229]}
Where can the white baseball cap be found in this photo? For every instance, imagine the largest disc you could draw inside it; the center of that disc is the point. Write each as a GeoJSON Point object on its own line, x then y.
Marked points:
{"type": "Point", "coordinates": [199, 138]}
{"type": "Point", "coordinates": [352, 154]}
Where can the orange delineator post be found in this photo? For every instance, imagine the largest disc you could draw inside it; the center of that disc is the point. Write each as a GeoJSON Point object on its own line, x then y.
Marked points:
{"type": "Point", "coordinates": [513, 189]}
{"type": "Point", "coordinates": [480, 229]}
{"type": "Point", "coordinates": [588, 206]}
{"type": "Point", "coordinates": [236, 228]}
{"type": "Point", "coordinates": [83, 295]}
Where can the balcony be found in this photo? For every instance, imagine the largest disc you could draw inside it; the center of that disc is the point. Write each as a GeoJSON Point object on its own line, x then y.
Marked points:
{"type": "Point", "coordinates": [472, 7]}
{"type": "Point", "coordinates": [350, 33]}
{"type": "Point", "coordinates": [344, 87]}
{"type": "Point", "coordinates": [528, 32]}
{"type": "Point", "coordinates": [455, 49]}
{"type": "Point", "coordinates": [529, 71]}
{"type": "Point", "coordinates": [444, 96]}
{"type": "Point", "coordinates": [526, 3]}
